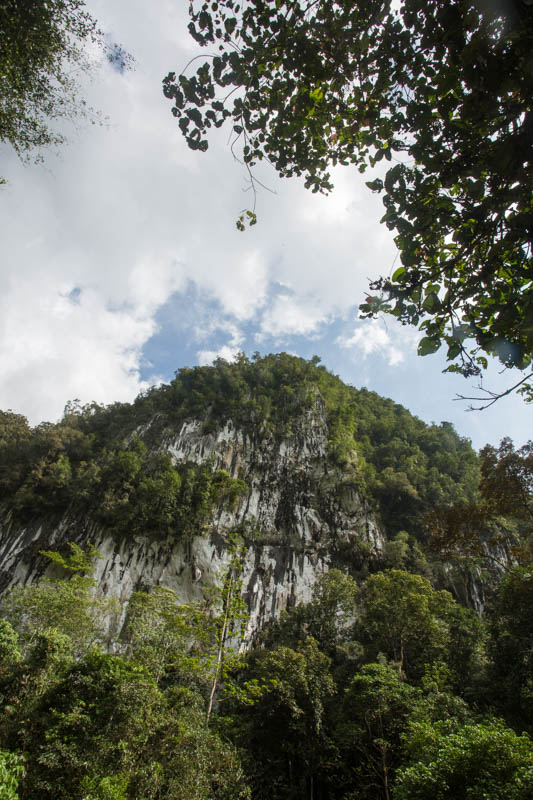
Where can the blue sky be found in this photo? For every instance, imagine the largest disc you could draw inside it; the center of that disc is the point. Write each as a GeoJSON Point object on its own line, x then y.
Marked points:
{"type": "Point", "coordinates": [185, 337]}
{"type": "Point", "coordinates": [120, 261]}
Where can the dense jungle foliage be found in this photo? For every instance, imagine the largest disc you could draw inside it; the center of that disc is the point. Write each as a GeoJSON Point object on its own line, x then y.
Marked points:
{"type": "Point", "coordinates": [105, 462]}
{"type": "Point", "coordinates": [433, 495]}
{"type": "Point", "coordinates": [119, 483]}
{"type": "Point", "coordinates": [372, 691]}
{"type": "Point", "coordinates": [382, 687]}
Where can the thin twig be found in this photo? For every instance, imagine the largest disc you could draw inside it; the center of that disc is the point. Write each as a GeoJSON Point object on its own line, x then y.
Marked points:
{"type": "Point", "coordinates": [493, 395]}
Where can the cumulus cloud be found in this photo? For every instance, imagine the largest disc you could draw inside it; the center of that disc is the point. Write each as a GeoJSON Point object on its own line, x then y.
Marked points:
{"type": "Point", "coordinates": [126, 218]}
{"type": "Point", "coordinates": [375, 337]}
{"type": "Point", "coordinates": [217, 325]}
{"type": "Point", "coordinates": [104, 246]}
{"type": "Point", "coordinates": [208, 356]}
{"type": "Point", "coordinates": [288, 315]}
{"type": "Point", "coordinates": [61, 348]}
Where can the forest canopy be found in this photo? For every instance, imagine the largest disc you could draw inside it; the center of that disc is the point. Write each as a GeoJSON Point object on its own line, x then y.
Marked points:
{"type": "Point", "coordinates": [385, 701]}
{"type": "Point", "coordinates": [382, 686]}
{"type": "Point", "coordinates": [105, 461]}
{"type": "Point", "coordinates": [439, 91]}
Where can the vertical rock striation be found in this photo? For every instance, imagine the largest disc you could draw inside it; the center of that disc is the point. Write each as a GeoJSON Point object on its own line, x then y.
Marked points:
{"type": "Point", "coordinates": [301, 514]}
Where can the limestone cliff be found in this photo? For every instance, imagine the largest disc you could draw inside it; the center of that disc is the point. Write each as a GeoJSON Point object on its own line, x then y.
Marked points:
{"type": "Point", "coordinates": [308, 472]}
{"type": "Point", "coordinates": [299, 514]}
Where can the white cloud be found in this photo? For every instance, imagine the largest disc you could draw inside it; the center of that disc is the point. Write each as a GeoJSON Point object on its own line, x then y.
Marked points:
{"type": "Point", "coordinates": [374, 337]}
{"type": "Point", "coordinates": [215, 324]}
{"type": "Point", "coordinates": [291, 316]}
{"type": "Point", "coordinates": [96, 242]}
{"type": "Point", "coordinates": [241, 288]}
{"type": "Point", "coordinates": [60, 349]}
{"type": "Point", "coordinates": [127, 215]}
{"type": "Point", "coordinates": [208, 356]}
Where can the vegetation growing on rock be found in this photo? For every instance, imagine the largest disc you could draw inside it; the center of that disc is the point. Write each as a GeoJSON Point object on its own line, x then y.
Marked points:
{"type": "Point", "coordinates": [107, 461]}
{"type": "Point", "coordinates": [381, 686]}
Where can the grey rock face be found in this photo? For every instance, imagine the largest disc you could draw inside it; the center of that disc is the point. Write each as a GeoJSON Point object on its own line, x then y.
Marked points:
{"type": "Point", "coordinates": [300, 512]}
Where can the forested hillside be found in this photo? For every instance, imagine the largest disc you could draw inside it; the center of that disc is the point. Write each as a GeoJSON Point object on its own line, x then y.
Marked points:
{"type": "Point", "coordinates": [380, 685]}
{"type": "Point", "coordinates": [98, 457]}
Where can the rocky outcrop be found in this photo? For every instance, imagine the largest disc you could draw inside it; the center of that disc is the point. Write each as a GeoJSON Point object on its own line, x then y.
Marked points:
{"type": "Point", "coordinates": [302, 514]}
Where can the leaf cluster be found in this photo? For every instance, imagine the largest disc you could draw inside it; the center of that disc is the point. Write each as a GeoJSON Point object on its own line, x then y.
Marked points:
{"type": "Point", "coordinates": [38, 39]}
{"type": "Point", "coordinates": [440, 91]}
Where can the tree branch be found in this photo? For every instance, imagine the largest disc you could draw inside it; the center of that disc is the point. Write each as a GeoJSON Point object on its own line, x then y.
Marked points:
{"type": "Point", "coordinates": [493, 397]}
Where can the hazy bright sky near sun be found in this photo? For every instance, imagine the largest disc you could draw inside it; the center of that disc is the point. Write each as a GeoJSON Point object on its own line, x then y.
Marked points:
{"type": "Point", "coordinates": [120, 261]}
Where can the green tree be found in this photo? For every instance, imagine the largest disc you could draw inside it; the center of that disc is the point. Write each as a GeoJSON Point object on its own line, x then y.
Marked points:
{"type": "Point", "coordinates": [15, 434]}
{"type": "Point", "coordinates": [79, 725]}
{"type": "Point", "coordinates": [230, 623]}
{"type": "Point", "coordinates": [440, 90]}
{"type": "Point", "coordinates": [110, 727]}
{"type": "Point", "coordinates": [108, 788]}
{"type": "Point", "coordinates": [498, 527]}
{"type": "Point", "coordinates": [331, 612]}
{"type": "Point", "coordinates": [38, 39]}
{"type": "Point", "coordinates": [66, 605]}
{"type": "Point", "coordinates": [10, 651]}
{"type": "Point", "coordinates": [47, 626]}
{"type": "Point", "coordinates": [510, 646]}
{"type": "Point", "coordinates": [104, 730]}
{"type": "Point", "coordinates": [160, 634]}
{"type": "Point", "coordinates": [411, 624]}
{"type": "Point", "coordinates": [484, 760]}
{"type": "Point", "coordinates": [277, 718]}
{"type": "Point", "coordinates": [507, 479]}
{"type": "Point", "coordinates": [328, 618]}
{"type": "Point", "coordinates": [43, 46]}
{"type": "Point", "coordinates": [11, 771]}
{"type": "Point", "coordinates": [375, 711]}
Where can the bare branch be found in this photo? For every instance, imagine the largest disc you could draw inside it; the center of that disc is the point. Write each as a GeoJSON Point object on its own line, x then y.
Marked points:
{"type": "Point", "coordinates": [493, 397]}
